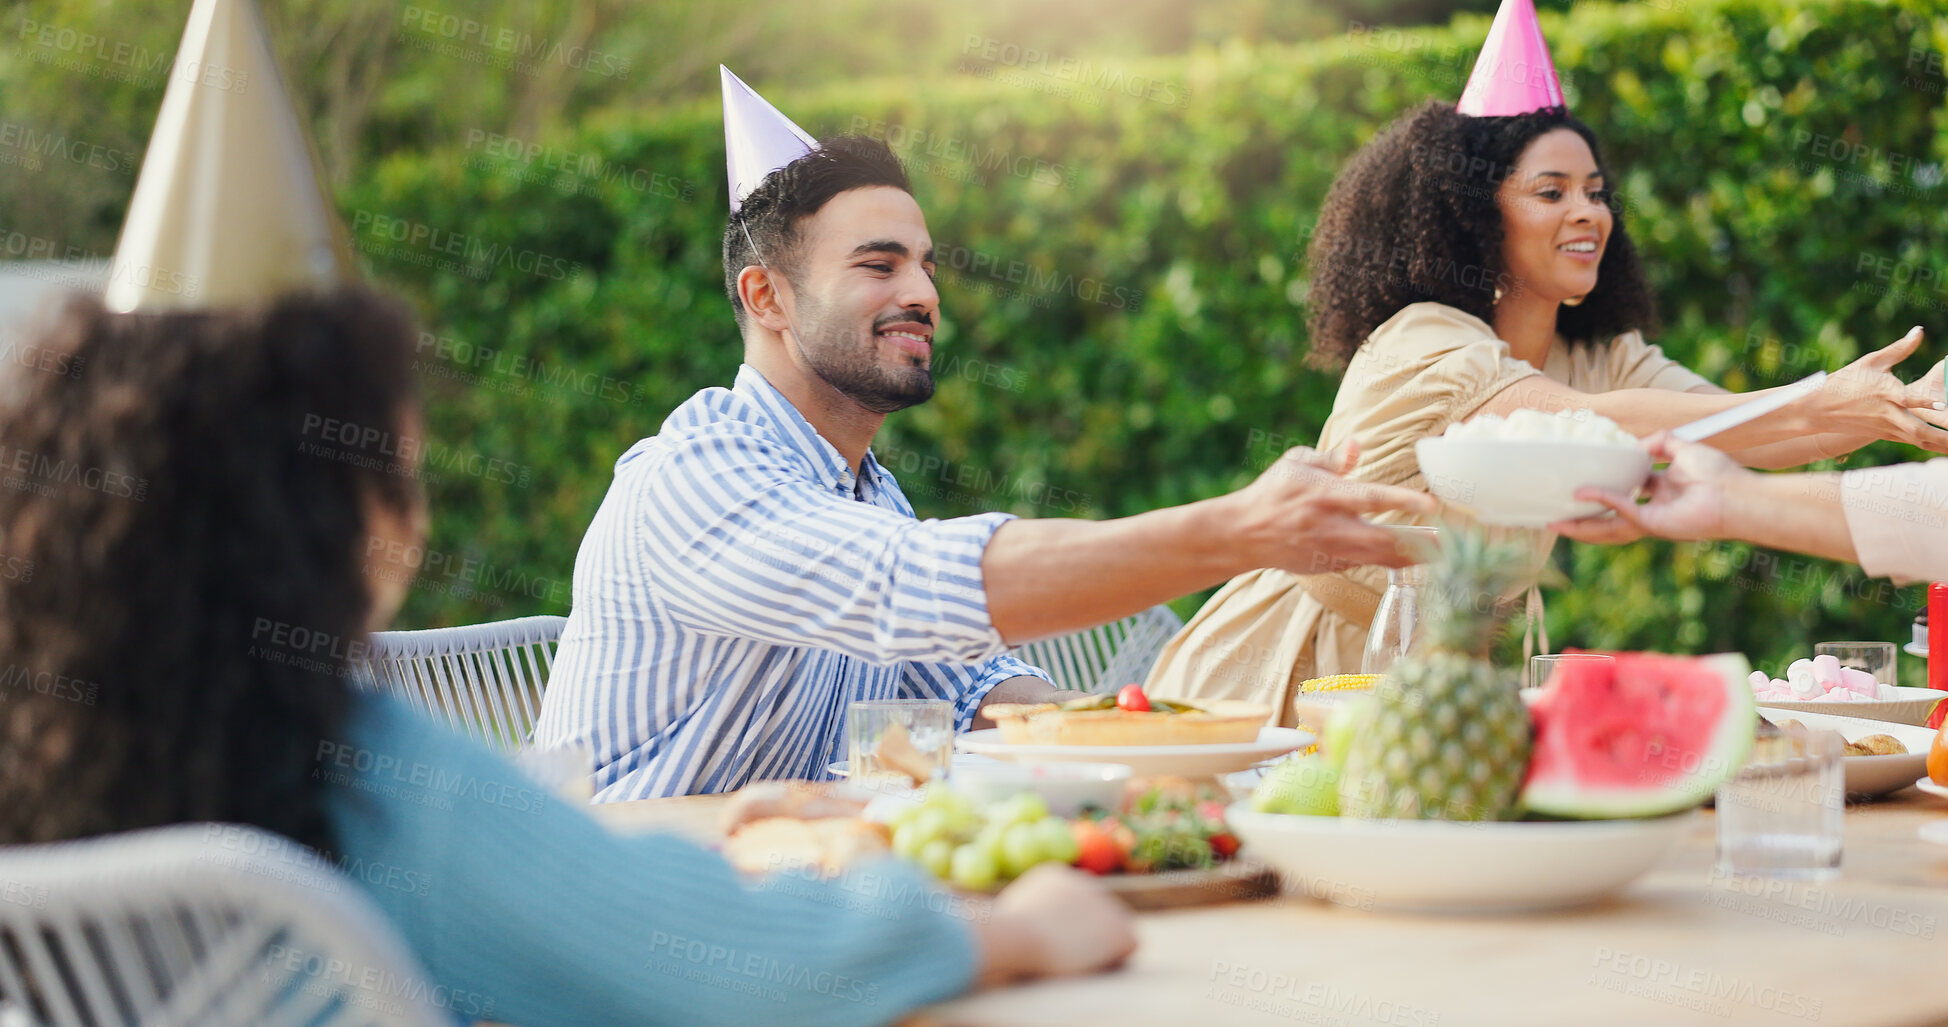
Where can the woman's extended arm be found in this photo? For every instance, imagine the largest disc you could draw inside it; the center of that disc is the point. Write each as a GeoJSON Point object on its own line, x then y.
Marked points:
{"type": "Point", "coordinates": [1862, 402]}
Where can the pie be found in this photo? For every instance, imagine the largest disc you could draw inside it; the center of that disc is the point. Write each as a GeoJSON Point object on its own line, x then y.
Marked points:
{"type": "Point", "coordinates": [1097, 720]}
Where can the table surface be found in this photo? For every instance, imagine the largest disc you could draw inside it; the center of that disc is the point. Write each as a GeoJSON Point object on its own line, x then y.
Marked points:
{"type": "Point", "coordinates": [1680, 946]}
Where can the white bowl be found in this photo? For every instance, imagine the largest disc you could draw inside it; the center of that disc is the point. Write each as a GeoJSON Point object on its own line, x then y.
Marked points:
{"type": "Point", "coordinates": [1909, 706]}
{"type": "Point", "coordinates": [1066, 787]}
{"type": "Point", "coordinates": [1435, 866]}
{"type": "Point", "coordinates": [1869, 776]}
{"type": "Point", "coordinates": [1527, 484]}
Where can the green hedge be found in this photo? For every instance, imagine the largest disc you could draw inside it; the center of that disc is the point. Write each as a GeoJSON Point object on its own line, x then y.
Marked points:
{"type": "Point", "coordinates": [1122, 280]}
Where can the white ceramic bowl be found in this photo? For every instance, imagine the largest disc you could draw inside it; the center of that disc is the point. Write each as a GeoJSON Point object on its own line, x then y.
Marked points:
{"type": "Point", "coordinates": [1527, 483]}
{"type": "Point", "coordinates": [1909, 706]}
{"type": "Point", "coordinates": [1066, 787]}
{"type": "Point", "coordinates": [1434, 866]}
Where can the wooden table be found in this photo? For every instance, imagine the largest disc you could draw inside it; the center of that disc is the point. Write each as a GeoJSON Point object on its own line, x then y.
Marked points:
{"type": "Point", "coordinates": [1681, 946]}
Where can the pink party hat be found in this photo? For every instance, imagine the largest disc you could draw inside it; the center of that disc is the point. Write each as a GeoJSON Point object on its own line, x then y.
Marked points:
{"type": "Point", "coordinates": [1514, 74]}
{"type": "Point", "coordinates": [757, 139]}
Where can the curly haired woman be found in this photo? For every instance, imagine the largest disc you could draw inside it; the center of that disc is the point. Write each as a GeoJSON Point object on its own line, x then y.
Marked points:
{"type": "Point", "coordinates": [1476, 265]}
{"type": "Point", "coordinates": [206, 519]}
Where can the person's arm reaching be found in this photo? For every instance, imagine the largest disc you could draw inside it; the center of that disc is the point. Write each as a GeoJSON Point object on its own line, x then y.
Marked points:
{"type": "Point", "coordinates": [1048, 577]}
{"type": "Point", "coordinates": [1862, 402]}
{"type": "Point", "coordinates": [1705, 494]}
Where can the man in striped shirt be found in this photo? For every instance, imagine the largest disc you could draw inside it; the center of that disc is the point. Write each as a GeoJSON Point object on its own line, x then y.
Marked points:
{"type": "Point", "coordinates": [753, 570]}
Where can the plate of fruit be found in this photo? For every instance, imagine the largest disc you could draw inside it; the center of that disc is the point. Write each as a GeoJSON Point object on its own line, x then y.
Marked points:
{"type": "Point", "coordinates": [1442, 791]}
{"type": "Point", "coordinates": [1152, 736]}
{"type": "Point", "coordinates": [1164, 843]}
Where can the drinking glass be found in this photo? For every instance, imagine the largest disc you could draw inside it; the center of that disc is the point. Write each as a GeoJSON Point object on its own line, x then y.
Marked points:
{"type": "Point", "coordinates": [1781, 815]}
{"type": "Point", "coordinates": [891, 742]}
{"type": "Point", "coordinates": [1396, 622]}
{"type": "Point", "coordinates": [1541, 668]}
{"type": "Point", "coordinates": [1876, 658]}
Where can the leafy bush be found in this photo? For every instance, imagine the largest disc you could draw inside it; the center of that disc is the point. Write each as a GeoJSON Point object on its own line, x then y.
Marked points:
{"type": "Point", "coordinates": [1122, 281]}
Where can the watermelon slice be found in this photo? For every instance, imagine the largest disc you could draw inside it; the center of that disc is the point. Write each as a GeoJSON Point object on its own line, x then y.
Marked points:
{"type": "Point", "coordinates": [1648, 735]}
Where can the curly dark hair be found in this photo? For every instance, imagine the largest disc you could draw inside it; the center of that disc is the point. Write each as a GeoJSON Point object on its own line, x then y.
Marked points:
{"type": "Point", "coordinates": [1413, 217]}
{"type": "Point", "coordinates": [182, 518]}
{"type": "Point", "coordinates": [773, 212]}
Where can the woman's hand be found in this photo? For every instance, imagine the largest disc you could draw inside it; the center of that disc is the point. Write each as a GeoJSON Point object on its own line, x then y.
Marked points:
{"type": "Point", "coordinates": [1864, 401]}
{"type": "Point", "coordinates": [1052, 922]}
{"type": "Point", "coordinates": [1687, 499]}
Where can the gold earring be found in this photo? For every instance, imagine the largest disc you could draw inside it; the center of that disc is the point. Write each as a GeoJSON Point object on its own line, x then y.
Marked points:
{"type": "Point", "coordinates": [1575, 301]}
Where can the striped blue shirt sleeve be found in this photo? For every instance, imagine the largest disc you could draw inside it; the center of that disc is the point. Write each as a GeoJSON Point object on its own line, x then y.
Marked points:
{"type": "Point", "coordinates": [963, 684]}
{"type": "Point", "coordinates": [745, 546]}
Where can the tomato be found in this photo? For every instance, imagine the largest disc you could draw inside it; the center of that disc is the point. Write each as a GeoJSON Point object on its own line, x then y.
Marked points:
{"type": "Point", "coordinates": [1131, 698]}
{"type": "Point", "coordinates": [1224, 844]}
{"type": "Point", "coordinates": [1096, 851]}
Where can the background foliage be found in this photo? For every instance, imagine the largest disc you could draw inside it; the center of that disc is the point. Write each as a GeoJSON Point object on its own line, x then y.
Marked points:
{"type": "Point", "coordinates": [1122, 278]}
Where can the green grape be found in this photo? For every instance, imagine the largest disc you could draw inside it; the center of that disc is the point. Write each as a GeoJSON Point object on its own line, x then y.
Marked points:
{"type": "Point", "coordinates": [990, 840]}
{"type": "Point", "coordinates": [972, 868]}
{"type": "Point", "coordinates": [908, 841]}
{"type": "Point", "coordinates": [937, 856]}
{"type": "Point", "coordinates": [1058, 841]}
{"type": "Point", "coordinates": [934, 823]}
{"type": "Point", "coordinates": [1025, 808]}
{"type": "Point", "coordinates": [1021, 848]}
{"type": "Point", "coordinates": [905, 813]}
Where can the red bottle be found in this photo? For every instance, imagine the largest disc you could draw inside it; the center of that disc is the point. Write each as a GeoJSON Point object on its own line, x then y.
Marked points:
{"type": "Point", "coordinates": [1938, 635]}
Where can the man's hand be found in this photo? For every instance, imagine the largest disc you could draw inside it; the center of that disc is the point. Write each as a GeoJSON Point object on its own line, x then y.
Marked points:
{"type": "Point", "coordinates": [1688, 499]}
{"type": "Point", "coordinates": [1302, 516]}
{"type": "Point", "coordinates": [1022, 688]}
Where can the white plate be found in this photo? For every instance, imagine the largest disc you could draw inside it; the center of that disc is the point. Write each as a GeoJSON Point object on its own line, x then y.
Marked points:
{"type": "Point", "coordinates": [1915, 649]}
{"type": "Point", "coordinates": [1869, 775]}
{"type": "Point", "coordinates": [1146, 760]}
{"type": "Point", "coordinates": [1434, 866]}
{"type": "Point", "coordinates": [1909, 706]}
{"type": "Point", "coordinates": [1927, 784]}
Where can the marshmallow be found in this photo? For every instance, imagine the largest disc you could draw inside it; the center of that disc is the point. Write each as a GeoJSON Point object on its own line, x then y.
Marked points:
{"type": "Point", "coordinates": [1859, 682]}
{"type": "Point", "coordinates": [1826, 671]}
{"type": "Point", "coordinates": [1800, 677]}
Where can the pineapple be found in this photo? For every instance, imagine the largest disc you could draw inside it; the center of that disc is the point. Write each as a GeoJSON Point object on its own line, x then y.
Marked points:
{"type": "Point", "coordinates": [1449, 737]}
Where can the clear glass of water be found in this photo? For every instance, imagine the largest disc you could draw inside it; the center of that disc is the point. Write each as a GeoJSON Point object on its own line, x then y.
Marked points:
{"type": "Point", "coordinates": [893, 742]}
{"type": "Point", "coordinates": [1542, 668]}
{"type": "Point", "coordinates": [1396, 622]}
{"type": "Point", "coordinates": [1876, 658]}
{"type": "Point", "coordinates": [1781, 816]}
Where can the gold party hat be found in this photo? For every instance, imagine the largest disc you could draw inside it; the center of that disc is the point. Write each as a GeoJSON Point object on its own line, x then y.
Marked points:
{"type": "Point", "coordinates": [228, 210]}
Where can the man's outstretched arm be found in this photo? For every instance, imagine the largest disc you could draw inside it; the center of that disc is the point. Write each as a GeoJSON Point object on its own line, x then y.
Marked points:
{"type": "Point", "coordinates": [1050, 577]}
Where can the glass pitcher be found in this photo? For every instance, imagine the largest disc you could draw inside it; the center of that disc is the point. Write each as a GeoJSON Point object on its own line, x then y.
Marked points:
{"type": "Point", "coordinates": [1396, 623]}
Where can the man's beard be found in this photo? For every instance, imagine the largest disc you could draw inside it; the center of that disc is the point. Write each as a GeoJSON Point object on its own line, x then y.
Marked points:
{"type": "Point", "coordinates": [835, 355]}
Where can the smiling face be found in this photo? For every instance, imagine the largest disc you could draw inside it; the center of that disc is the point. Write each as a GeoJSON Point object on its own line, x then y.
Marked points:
{"type": "Point", "coordinates": [1556, 218]}
{"type": "Point", "coordinates": [865, 299]}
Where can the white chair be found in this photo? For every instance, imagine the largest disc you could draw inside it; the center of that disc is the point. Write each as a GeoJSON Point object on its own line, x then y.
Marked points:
{"type": "Point", "coordinates": [1107, 657]}
{"type": "Point", "coordinates": [198, 925]}
{"type": "Point", "coordinates": [483, 679]}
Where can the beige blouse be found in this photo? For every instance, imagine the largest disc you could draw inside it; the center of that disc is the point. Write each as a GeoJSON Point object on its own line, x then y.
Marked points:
{"type": "Point", "coordinates": [1427, 367]}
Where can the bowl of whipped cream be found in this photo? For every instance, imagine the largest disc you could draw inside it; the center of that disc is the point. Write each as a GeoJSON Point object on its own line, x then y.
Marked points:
{"type": "Point", "coordinates": [1523, 470]}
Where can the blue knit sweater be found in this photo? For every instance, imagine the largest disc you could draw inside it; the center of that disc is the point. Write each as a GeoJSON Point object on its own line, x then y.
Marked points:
{"type": "Point", "coordinates": [523, 909]}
